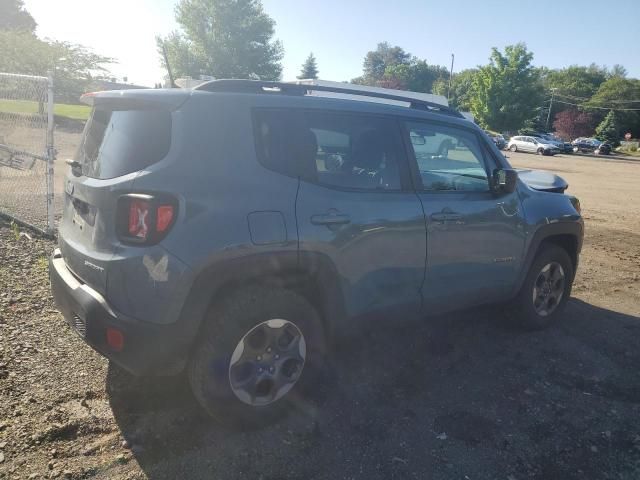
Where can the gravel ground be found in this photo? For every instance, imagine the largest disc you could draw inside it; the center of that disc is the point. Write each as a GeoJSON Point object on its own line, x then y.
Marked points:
{"type": "Point", "coordinates": [463, 397]}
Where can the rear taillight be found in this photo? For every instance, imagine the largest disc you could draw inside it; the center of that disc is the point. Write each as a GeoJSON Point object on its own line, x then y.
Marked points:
{"type": "Point", "coordinates": [145, 219]}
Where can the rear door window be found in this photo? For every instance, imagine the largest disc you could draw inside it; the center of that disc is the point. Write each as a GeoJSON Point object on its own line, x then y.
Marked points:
{"type": "Point", "coordinates": [334, 149]}
{"type": "Point", "coordinates": [118, 142]}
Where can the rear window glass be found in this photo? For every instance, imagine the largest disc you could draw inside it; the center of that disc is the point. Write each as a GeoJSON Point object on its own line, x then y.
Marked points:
{"type": "Point", "coordinates": [117, 142]}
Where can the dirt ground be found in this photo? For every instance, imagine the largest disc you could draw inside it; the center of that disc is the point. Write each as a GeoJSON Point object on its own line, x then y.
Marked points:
{"type": "Point", "coordinates": [475, 400]}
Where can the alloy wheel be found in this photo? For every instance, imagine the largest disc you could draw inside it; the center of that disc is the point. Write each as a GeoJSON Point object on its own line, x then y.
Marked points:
{"type": "Point", "coordinates": [548, 289]}
{"type": "Point", "coordinates": [267, 362]}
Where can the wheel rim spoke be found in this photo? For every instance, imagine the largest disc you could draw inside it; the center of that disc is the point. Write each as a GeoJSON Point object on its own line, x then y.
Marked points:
{"type": "Point", "coordinates": [267, 362]}
{"type": "Point", "coordinates": [548, 288]}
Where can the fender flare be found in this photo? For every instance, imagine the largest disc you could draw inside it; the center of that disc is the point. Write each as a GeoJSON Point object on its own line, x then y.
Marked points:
{"type": "Point", "coordinates": [542, 234]}
{"type": "Point", "coordinates": [312, 275]}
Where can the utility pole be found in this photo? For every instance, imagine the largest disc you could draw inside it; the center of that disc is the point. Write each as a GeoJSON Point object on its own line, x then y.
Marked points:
{"type": "Point", "coordinates": [553, 91]}
{"type": "Point", "coordinates": [166, 61]}
{"type": "Point", "coordinates": [450, 77]}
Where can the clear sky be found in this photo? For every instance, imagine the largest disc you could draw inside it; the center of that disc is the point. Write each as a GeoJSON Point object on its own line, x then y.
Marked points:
{"type": "Point", "coordinates": [340, 32]}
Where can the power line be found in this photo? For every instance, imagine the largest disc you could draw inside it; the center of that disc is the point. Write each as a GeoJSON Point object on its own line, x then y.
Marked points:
{"type": "Point", "coordinates": [601, 108]}
{"type": "Point", "coordinates": [572, 97]}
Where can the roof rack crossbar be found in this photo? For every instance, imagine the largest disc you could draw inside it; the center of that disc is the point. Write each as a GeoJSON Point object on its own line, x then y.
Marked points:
{"type": "Point", "coordinates": [258, 86]}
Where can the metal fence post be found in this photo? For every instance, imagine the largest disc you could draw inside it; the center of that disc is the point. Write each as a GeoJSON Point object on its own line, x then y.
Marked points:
{"type": "Point", "coordinates": [51, 156]}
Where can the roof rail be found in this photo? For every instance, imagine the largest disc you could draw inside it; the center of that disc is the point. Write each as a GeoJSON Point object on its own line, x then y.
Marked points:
{"type": "Point", "coordinates": [259, 86]}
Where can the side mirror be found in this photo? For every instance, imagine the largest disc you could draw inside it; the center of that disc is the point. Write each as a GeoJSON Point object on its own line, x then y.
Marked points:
{"type": "Point", "coordinates": [417, 139]}
{"type": "Point", "coordinates": [505, 180]}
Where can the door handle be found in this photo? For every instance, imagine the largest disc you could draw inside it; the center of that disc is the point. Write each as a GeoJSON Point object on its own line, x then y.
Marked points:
{"type": "Point", "coordinates": [330, 219]}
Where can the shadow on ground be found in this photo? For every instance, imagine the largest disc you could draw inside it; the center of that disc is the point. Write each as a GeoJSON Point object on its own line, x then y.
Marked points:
{"type": "Point", "coordinates": [472, 399]}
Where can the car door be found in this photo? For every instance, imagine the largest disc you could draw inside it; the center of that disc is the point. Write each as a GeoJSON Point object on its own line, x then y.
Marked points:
{"type": "Point", "coordinates": [522, 144]}
{"type": "Point", "coordinates": [356, 207]}
{"type": "Point", "coordinates": [475, 239]}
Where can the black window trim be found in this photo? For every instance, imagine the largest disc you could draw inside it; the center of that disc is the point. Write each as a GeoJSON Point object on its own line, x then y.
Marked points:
{"type": "Point", "coordinates": [489, 161]}
{"type": "Point", "coordinates": [406, 182]}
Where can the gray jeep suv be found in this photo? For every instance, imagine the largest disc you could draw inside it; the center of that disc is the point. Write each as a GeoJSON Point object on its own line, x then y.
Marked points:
{"type": "Point", "coordinates": [236, 229]}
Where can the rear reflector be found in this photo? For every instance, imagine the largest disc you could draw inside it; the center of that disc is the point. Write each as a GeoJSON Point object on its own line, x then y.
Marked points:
{"type": "Point", "coordinates": [115, 339]}
{"type": "Point", "coordinates": [139, 218]}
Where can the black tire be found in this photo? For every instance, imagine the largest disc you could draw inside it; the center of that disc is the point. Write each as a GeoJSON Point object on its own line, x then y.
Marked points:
{"type": "Point", "coordinates": [523, 309]}
{"type": "Point", "coordinates": [227, 323]}
{"type": "Point", "coordinates": [513, 148]}
{"type": "Point", "coordinates": [540, 151]}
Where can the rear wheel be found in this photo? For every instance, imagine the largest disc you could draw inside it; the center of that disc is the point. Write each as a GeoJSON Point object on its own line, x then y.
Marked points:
{"type": "Point", "coordinates": [261, 350]}
{"type": "Point", "coordinates": [546, 288]}
{"type": "Point", "coordinates": [513, 148]}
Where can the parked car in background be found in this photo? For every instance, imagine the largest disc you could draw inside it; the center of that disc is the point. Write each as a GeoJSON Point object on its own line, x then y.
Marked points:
{"type": "Point", "coordinates": [526, 143]}
{"type": "Point", "coordinates": [591, 145]}
{"type": "Point", "coordinates": [497, 138]}
{"type": "Point", "coordinates": [553, 140]}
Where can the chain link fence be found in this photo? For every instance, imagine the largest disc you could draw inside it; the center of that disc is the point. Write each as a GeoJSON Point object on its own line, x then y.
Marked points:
{"type": "Point", "coordinates": [26, 150]}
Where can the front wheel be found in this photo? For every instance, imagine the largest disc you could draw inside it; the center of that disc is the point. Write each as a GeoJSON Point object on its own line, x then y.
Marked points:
{"type": "Point", "coordinates": [540, 151]}
{"type": "Point", "coordinates": [546, 288]}
{"type": "Point", "coordinates": [513, 148]}
{"type": "Point", "coordinates": [261, 352]}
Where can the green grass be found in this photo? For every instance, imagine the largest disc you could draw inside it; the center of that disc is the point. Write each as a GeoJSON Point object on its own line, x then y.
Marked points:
{"type": "Point", "coordinates": [75, 112]}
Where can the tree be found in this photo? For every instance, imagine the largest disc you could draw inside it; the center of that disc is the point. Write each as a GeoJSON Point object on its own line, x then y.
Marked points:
{"type": "Point", "coordinates": [609, 129]}
{"type": "Point", "coordinates": [618, 71]}
{"type": "Point", "coordinates": [461, 86]}
{"type": "Point", "coordinates": [73, 66]}
{"type": "Point", "coordinates": [377, 61]}
{"type": "Point", "coordinates": [574, 84]}
{"type": "Point", "coordinates": [309, 68]}
{"type": "Point", "coordinates": [576, 81]}
{"type": "Point", "coordinates": [619, 93]}
{"type": "Point", "coordinates": [416, 76]}
{"type": "Point", "coordinates": [225, 39]}
{"type": "Point", "coordinates": [13, 16]}
{"type": "Point", "coordinates": [507, 92]}
{"type": "Point", "coordinates": [570, 124]}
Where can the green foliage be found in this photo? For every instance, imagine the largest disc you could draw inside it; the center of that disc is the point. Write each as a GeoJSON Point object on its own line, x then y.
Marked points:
{"type": "Point", "coordinates": [377, 61]}
{"type": "Point", "coordinates": [225, 39]}
{"type": "Point", "coordinates": [15, 230]}
{"type": "Point", "coordinates": [392, 67]}
{"type": "Point", "coordinates": [13, 16]}
{"type": "Point", "coordinates": [506, 93]}
{"type": "Point", "coordinates": [619, 92]}
{"type": "Point", "coordinates": [609, 129]}
{"type": "Point", "coordinates": [461, 89]}
{"type": "Point", "coordinates": [576, 81]}
{"type": "Point", "coordinates": [417, 76]}
{"type": "Point", "coordinates": [309, 68]}
{"type": "Point", "coordinates": [43, 264]}
{"type": "Point", "coordinates": [615, 90]}
{"type": "Point", "coordinates": [73, 66]}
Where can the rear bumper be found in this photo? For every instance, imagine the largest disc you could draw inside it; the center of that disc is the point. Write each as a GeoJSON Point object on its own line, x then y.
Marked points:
{"type": "Point", "coordinates": [147, 348]}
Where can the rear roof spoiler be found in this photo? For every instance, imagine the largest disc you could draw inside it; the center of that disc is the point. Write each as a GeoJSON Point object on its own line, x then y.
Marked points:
{"type": "Point", "coordinates": [138, 99]}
